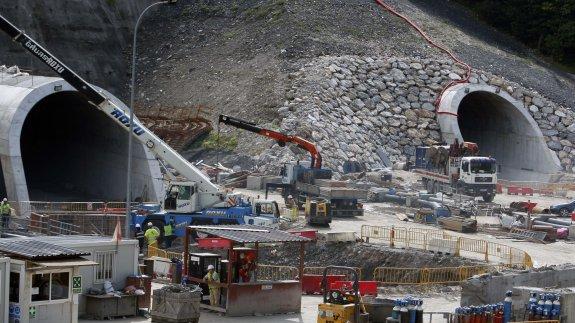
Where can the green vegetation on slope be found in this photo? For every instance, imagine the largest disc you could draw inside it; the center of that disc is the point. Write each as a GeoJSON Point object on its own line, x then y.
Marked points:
{"type": "Point", "coordinates": [217, 141]}
{"type": "Point", "coordinates": [547, 26]}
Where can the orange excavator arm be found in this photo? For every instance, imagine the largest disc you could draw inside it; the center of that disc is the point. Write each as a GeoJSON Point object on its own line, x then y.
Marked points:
{"type": "Point", "coordinates": [281, 138]}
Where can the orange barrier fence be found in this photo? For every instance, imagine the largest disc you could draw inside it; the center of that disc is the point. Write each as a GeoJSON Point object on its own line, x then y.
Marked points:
{"type": "Point", "coordinates": [440, 241]}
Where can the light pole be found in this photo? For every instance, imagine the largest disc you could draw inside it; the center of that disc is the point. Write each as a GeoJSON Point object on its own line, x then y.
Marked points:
{"type": "Point", "coordinates": [130, 134]}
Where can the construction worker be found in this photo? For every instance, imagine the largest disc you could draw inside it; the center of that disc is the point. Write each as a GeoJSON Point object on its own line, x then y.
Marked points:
{"type": "Point", "coordinates": [169, 233]}
{"type": "Point", "coordinates": [140, 236]}
{"type": "Point", "coordinates": [292, 206]}
{"type": "Point", "coordinates": [5, 213]}
{"type": "Point", "coordinates": [152, 235]}
{"type": "Point", "coordinates": [211, 278]}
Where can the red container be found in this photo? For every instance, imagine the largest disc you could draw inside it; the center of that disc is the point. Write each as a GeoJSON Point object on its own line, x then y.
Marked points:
{"type": "Point", "coordinates": [310, 234]}
{"type": "Point", "coordinates": [527, 191]}
{"type": "Point", "coordinates": [365, 287]}
{"type": "Point", "coordinates": [214, 243]}
{"type": "Point", "coordinates": [513, 190]}
{"type": "Point", "coordinates": [311, 284]}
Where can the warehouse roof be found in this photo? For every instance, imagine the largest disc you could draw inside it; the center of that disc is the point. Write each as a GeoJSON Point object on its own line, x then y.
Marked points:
{"type": "Point", "coordinates": [249, 233]}
{"type": "Point", "coordinates": [37, 250]}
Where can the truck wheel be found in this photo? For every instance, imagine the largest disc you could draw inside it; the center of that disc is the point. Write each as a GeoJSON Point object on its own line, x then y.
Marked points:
{"type": "Point", "coordinates": [564, 212]}
{"type": "Point", "coordinates": [488, 197]}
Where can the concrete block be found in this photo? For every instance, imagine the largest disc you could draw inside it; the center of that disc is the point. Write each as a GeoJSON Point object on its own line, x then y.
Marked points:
{"type": "Point", "coordinates": [342, 193]}
{"type": "Point", "coordinates": [346, 236]}
{"type": "Point", "coordinates": [254, 182]}
{"type": "Point", "coordinates": [572, 232]}
{"type": "Point", "coordinates": [489, 289]}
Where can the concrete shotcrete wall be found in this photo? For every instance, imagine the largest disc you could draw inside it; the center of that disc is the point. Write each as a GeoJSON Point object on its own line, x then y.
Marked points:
{"type": "Point", "coordinates": [501, 127]}
{"type": "Point", "coordinates": [56, 146]}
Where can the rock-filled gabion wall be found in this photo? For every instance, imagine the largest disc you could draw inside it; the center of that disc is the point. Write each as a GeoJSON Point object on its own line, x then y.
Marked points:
{"type": "Point", "coordinates": [349, 106]}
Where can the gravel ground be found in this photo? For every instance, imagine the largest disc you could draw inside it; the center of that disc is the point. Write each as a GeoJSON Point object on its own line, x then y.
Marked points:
{"type": "Point", "coordinates": [437, 302]}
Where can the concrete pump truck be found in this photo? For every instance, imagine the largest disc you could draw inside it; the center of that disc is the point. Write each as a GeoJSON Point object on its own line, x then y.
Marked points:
{"type": "Point", "coordinates": [196, 200]}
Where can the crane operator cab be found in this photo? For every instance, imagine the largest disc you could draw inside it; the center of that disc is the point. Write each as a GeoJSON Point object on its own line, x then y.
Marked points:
{"type": "Point", "coordinates": [266, 208]}
{"type": "Point", "coordinates": [181, 197]}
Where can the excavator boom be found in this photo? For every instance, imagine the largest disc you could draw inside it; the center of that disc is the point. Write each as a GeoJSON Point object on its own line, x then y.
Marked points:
{"type": "Point", "coordinates": [281, 138]}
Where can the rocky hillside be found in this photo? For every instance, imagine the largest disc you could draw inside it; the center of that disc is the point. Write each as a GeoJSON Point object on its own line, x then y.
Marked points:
{"type": "Point", "coordinates": [322, 69]}
{"type": "Point", "coordinates": [345, 73]}
{"type": "Point", "coordinates": [93, 37]}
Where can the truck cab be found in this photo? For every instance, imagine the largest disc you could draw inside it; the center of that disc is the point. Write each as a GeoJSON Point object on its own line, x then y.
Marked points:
{"type": "Point", "coordinates": [478, 175]}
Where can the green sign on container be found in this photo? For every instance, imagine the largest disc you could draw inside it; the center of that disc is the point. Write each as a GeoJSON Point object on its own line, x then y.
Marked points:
{"type": "Point", "coordinates": [77, 284]}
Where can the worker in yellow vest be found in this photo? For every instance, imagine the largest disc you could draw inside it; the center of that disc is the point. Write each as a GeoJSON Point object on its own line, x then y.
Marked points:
{"type": "Point", "coordinates": [169, 233]}
{"type": "Point", "coordinates": [5, 213]}
{"type": "Point", "coordinates": [152, 235]}
{"type": "Point", "coordinates": [213, 277]}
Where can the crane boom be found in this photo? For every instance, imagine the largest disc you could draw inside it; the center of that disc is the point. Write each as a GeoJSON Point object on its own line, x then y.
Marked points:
{"type": "Point", "coordinates": [281, 138]}
{"type": "Point", "coordinates": [210, 193]}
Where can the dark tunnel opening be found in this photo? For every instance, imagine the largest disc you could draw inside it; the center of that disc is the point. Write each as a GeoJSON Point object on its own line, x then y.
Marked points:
{"type": "Point", "coordinates": [503, 132]}
{"type": "Point", "coordinates": [73, 152]}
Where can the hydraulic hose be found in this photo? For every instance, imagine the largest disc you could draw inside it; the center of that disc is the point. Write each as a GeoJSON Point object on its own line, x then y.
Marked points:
{"type": "Point", "coordinates": [436, 45]}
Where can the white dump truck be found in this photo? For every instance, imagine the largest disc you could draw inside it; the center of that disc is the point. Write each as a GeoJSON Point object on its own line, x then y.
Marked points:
{"type": "Point", "coordinates": [457, 169]}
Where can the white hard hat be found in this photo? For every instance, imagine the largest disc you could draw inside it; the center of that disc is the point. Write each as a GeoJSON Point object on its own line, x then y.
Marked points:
{"type": "Point", "coordinates": [5, 200]}
{"type": "Point", "coordinates": [210, 267]}
{"type": "Point", "coordinates": [138, 225]}
{"type": "Point", "coordinates": [290, 197]}
{"type": "Point", "coordinates": [150, 224]}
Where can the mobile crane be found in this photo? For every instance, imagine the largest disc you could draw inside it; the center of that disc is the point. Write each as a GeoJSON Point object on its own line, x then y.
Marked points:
{"type": "Point", "coordinates": [196, 200]}
{"type": "Point", "coordinates": [299, 180]}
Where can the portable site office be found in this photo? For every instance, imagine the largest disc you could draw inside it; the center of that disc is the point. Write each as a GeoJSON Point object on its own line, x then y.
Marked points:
{"type": "Point", "coordinates": [39, 280]}
{"type": "Point", "coordinates": [254, 296]}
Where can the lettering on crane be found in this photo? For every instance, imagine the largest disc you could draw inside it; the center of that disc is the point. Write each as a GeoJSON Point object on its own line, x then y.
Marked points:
{"type": "Point", "coordinates": [118, 114]}
{"type": "Point", "coordinates": [215, 212]}
{"type": "Point", "coordinates": [45, 57]}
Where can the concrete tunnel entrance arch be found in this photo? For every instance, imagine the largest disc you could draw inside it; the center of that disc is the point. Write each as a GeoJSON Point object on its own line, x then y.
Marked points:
{"type": "Point", "coordinates": [502, 128]}
{"type": "Point", "coordinates": [55, 146]}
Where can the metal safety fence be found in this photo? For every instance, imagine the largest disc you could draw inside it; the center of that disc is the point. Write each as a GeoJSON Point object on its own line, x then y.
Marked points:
{"type": "Point", "coordinates": [276, 273]}
{"type": "Point", "coordinates": [161, 253]}
{"type": "Point", "coordinates": [38, 225]}
{"type": "Point", "coordinates": [24, 208]}
{"type": "Point", "coordinates": [424, 276]}
{"type": "Point", "coordinates": [440, 241]}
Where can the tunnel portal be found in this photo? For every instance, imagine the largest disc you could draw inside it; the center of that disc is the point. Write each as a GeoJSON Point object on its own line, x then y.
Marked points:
{"type": "Point", "coordinates": [502, 128]}
{"type": "Point", "coordinates": [56, 146]}
{"type": "Point", "coordinates": [72, 151]}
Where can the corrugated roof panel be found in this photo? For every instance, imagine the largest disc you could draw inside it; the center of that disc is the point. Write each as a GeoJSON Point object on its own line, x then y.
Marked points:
{"type": "Point", "coordinates": [249, 233]}
{"type": "Point", "coordinates": [34, 249]}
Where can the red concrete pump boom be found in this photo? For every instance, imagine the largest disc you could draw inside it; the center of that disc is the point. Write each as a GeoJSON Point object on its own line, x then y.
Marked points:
{"type": "Point", "coordinates": [281, 138]}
